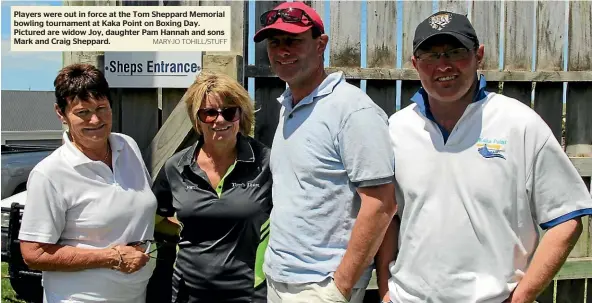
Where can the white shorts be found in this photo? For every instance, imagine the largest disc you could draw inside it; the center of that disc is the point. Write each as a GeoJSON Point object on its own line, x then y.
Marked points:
{"type": "Point", "coordinates": [322, 292]}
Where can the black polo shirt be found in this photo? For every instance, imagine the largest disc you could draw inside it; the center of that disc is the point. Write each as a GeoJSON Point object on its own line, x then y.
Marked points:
{"type": "Point", "coordinates": [221, 229]}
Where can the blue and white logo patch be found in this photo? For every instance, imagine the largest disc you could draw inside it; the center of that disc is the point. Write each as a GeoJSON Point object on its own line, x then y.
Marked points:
{"type": "Point", "coordinates": [491, 148]}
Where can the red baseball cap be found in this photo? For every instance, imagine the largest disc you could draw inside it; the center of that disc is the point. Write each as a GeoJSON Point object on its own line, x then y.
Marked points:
{"type": "Point", "coordinates": [292, 27]}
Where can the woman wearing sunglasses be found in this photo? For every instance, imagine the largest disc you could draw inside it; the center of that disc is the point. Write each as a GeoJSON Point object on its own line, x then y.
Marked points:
{"type": "Point", "coordinates": [219, 190]}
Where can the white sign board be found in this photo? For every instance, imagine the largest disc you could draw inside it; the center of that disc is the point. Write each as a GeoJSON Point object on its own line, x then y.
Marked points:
{"type": "Point", "coordinates": [152, 69]}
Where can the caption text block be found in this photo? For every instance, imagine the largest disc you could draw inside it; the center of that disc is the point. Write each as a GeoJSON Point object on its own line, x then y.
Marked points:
{"type": "Point", "coordinates": [120, 28]}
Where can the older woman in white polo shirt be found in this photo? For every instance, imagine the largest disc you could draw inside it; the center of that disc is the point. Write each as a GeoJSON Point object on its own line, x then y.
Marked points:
{"type": "Point", "coordinates": [87, 201]}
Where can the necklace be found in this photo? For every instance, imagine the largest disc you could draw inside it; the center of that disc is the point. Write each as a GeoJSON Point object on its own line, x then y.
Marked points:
{"type": "Point", "coordinates": [108, 152]}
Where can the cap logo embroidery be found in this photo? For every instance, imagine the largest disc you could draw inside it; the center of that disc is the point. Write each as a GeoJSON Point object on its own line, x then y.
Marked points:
{"type": "Point", "coordinates": [440, 21]}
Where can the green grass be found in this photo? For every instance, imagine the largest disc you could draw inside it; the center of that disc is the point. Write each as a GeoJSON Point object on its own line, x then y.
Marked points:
{"type": "Point", "coordinates": [8, 295]}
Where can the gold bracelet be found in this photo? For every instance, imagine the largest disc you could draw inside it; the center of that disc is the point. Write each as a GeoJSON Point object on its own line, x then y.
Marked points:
{"type": "Point", "coordinates": [120, 258]}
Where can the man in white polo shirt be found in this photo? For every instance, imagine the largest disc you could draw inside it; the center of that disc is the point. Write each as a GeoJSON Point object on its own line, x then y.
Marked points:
{"type": "Point", "coordinates": [477, 173]}
{"type": "Point", "coordinates": [332, 168]}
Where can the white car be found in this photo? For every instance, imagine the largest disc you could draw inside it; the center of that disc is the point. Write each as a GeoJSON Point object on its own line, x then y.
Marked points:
{"type": "Point", "coordinates": [17, 163]}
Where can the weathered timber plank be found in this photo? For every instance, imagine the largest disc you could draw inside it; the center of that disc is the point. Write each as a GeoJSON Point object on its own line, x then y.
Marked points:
{"type": "Point", "coordinates": [571, 291]}
{"type": "Point", "coordinates": [411, 74]}
{"type": "Point", "coordinates": [583, 165]}
{"type": "Point", "coordinates": [238, 11]}
{"type": "Point", "coordinates": [139, 106]}
{"type": "Point", "coordinates": [493, 87]}
{"type": "Point", "coordinates": [354, 82]}
{"type": "Point", "coordinates": [413, 13]}
{"type": "Point", "coordinates": [170, 98]}
{"type": "Point", "coordinates": [580, 250]}
{"type": "Point", "coordinates": [547, 295]}
{"type": "Point", "coordinates": [455, 6]}
{"type": "Point", "coordinates": [116, 109]}
{"type": "Point", "coordinates": [550, 32]}
{"type": "Point", "coordinates": [261, 48]}
{"type": "Point", "coordinates": [382, 51]}
{"type": "Point", "coordinates": [548, 103]}
{"type": "Point", "coordinates": [382, 34]}
{"type": "Point", "coordinates": [518, 47]}
{"type": "Point", "coordinates": [580, 37]}
{"type": "Point", "coordinates": [267, 90]}
{"type": "Point", "coordinates": [168, 139]}
{"type": "Point", "coordinates": [520, 91]}
{"type": "Point", "coordinates": [345, 33]}
{"type": "Point", "coordinates": [384, 94]}
{"type": "Point", "coordinates": [578, 125]}
{"type": "Point", "coordinates": [578, 110]}
{"type": "Point", "coordinates": [139, 114]}
{"type": "Point", "coordinates": [575, 268]}
{"type": "Point", "coordinates": [589, 290]}
{"type": "Point", "coordinates": [519, 33]}
{"type": "Point", "coordinates": [486, 21]}
{"type": "Point", "coordinates": [408, 89]}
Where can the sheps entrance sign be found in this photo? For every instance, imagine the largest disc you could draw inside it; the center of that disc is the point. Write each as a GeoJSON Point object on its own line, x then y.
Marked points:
{"type": "Point", "coordinates": [120, 28]}
{"type": "Point", "coordinates": [152, 69]}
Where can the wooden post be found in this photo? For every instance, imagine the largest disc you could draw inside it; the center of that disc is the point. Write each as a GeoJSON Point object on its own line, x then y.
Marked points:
{"type": "Point", "coordinates": [518, 47]}
{"type": "Point", "coordinates": [486, 20]}
{"type": "Point", "coordinates": [413, 14]}
{"type": "Point", "coordinates": [344, 37]}
{"type": "Point", "coordinates": [266, 89]}
{"type": "Point", "coordinates": [382, 52]}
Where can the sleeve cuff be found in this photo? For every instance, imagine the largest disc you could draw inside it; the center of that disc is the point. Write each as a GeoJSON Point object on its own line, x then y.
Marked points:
{"type": "Point", "coordinates": [375, 182]}
{"type": "Point", "coordinates": [164, 212]}
{"type": "Point", "coordinates": [47, 239]}
{"type": "Point", "coordinates": [566, 217]}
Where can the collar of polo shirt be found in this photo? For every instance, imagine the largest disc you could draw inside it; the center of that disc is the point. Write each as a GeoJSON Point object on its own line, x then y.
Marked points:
{"type": "Point", "coordinates": [77, 157]}
{"type": "Point", "coordinates": [326, 88]}
{"type": "Point", "coordinates": [244, 152]}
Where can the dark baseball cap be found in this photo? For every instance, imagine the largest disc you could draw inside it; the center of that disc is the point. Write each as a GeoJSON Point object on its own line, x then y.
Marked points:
{"type": "Point", "coordinates": [446, 23]}
{"type": "Point", "coordinates": [309, 14]}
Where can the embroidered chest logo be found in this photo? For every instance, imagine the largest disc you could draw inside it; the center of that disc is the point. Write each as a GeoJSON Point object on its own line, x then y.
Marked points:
{"type": "Point", "coordinates": [246, 185]}
{"type": "Point", "coordinates": [491, 148]}
{"type": "Point", "coordinates": [440, 21]}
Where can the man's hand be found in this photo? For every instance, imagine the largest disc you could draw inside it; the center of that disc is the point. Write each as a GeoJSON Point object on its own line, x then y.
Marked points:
{"type": "Point", "coordinates": [550, 255]}
{"type": "Point", "coordinates": [387, 253]}
{"type": "Point", "coordinates": [376, 212]}
{"type": "Point", "coordinates": [343, 290]}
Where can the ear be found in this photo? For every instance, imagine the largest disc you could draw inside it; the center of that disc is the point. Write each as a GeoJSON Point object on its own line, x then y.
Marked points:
{"type": "Point", "coordinates": [323, 40]}
{"type": "Point", "coordinates": [61, 115]}
{"type": "Point", "coordinates": [480, 54]}
{"type": "Point", "coordinates": [414, 61]}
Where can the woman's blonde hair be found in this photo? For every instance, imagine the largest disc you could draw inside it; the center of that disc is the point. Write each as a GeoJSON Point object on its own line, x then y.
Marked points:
{"type": "Point", "coordinates": [228, 90]}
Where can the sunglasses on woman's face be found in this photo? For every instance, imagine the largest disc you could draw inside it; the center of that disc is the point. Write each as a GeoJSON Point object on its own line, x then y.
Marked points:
{"type": "Point", "coordinates": [210, 115]}
{"type": "Point", "coordinates": [288, 15]}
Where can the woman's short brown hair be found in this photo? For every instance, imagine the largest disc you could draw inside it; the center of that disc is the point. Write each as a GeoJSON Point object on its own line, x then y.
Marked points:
{"type": "Point", "coordinates": [82, 81]}
{"type": "Point", "coordinates": [228, 90]}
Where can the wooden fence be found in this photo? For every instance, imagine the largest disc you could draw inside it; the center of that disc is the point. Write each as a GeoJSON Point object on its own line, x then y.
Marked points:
{"type": "Point", "coordinates": [504, 27]}
{"type": "Point", "coordinates": [529, 45]}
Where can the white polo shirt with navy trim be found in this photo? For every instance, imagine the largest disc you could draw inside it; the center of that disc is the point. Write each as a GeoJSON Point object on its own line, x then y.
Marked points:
{"type": "Point", "coordinates": [472, 202]}
{"type": "Point", "coordinates": [75, 201]}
